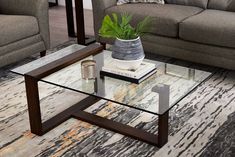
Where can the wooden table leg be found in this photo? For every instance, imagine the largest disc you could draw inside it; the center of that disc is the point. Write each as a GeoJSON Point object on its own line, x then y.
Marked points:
{"type": "Point", "coordinates": [163, 107]}
{"type": "Point", "coordinates": [80, 22]}
{"type": "Point", "coordinates": [36, 125]}
{"type": "Point", "coordinates": [70, 20]}
{"type": "Point", "coordinates": [31, 85]}
{"type": "Point", "coordinates": [81, 37]}
{"type": "Point", "coordinates": [163, 129]}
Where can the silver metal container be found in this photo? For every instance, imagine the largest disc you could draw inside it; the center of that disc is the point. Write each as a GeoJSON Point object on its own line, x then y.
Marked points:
{"type": "Point", "coordinates": [88, 68]}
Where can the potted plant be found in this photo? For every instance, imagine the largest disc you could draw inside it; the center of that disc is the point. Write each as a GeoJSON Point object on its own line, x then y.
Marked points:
{"type": "Point", "coordinates": [127, 50]}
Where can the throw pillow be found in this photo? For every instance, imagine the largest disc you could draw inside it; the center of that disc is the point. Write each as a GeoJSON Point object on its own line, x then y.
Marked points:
{"type": "Point", "coordinates": [120, 2]}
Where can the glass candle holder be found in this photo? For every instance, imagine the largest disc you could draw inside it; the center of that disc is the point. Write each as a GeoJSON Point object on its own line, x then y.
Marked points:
{"type": "Point", "coordinates": [88, 68]}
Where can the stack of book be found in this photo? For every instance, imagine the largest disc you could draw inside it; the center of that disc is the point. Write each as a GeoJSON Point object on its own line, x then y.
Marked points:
{"type": "Point", "coordinates": [137, 76]}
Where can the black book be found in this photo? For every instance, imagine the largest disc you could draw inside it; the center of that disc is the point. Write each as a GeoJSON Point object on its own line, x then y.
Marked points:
{"type": "Point", "coordinates": [129, 79]}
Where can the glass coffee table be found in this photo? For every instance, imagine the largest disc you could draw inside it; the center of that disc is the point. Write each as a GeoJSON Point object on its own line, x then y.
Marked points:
{"type": "Point", "coordinates": [156, 95]}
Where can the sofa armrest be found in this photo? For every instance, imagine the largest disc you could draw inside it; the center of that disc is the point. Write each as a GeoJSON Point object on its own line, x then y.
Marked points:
{"type": "Point", "coordinates": [99, 7]}
{"type": "Point", "coordinates": [36, 8]}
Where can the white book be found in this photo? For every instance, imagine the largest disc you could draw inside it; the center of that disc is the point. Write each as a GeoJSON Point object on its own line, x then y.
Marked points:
{"type": "Point", "coordinates": [144, 69]}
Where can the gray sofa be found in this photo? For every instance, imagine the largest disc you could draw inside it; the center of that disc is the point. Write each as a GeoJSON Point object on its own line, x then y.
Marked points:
{"type": "Point", "coordinates": [201, 31]}
{"type": "Point", "coordinates": [24, 29]}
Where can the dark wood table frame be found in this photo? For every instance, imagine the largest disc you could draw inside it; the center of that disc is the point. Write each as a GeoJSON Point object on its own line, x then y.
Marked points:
{"type": "Point", "coordinates": [81, 37]}
{"type": "Point", "coordinates": [52, 4]}
{"type": "Point", "coordinates": [77, 110]}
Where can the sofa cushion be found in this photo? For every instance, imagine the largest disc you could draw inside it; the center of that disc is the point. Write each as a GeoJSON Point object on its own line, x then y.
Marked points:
{"type": "Point", "coordinates": [14, 28]}
{"type": "Point", "coordinates": [213, 27]}
{"type": "Point", "coordinates": [166, 18]}
{"type": "Point", "coordinates": [196, 3]}
{"type": "Point", "coordinates": [226, 5]}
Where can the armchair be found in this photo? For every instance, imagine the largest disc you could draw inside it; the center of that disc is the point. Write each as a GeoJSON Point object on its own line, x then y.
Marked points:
{"type": "Point", "coordinates": [24, 29]}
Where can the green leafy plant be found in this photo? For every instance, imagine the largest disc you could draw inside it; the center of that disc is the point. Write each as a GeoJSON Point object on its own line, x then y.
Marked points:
{"type": "Point", "coordinates": [120, 27]}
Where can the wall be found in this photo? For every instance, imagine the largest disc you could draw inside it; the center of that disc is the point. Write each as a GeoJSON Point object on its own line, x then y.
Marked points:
{"type": "Point", "coordinates": [86, 3]}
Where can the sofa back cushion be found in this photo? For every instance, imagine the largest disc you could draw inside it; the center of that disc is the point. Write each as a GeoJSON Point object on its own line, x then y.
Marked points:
{"type": "Point", "coordinates": [196, 3]}
{"type": "Point", "coordinates": [226, 5]}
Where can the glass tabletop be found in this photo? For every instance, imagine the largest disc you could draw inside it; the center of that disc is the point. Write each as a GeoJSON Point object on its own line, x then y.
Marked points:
{"type": "Point", "coordinates": [157, 94]}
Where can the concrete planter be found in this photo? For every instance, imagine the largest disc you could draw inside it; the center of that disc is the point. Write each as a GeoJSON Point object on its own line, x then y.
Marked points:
{"type": "Point", "coordinates": [128, 54]}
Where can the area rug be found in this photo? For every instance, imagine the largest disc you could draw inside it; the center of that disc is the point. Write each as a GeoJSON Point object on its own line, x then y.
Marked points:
{"type": "Point", "coordinates": [202, 124]}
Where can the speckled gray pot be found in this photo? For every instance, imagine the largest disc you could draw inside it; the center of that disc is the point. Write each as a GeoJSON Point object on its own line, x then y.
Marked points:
{"type": "Point", "coordinates": [128, 49]}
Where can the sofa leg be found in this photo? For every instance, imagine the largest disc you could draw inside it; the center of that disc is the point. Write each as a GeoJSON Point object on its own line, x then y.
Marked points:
{"type": "Point", "coordinates": [104, 45]}
{"type": "Point", "coordinates": [43, 53]}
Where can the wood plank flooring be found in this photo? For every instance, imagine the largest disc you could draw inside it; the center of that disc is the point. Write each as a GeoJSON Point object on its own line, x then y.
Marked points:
{"type": "Point", "coordinates": [58, 25]}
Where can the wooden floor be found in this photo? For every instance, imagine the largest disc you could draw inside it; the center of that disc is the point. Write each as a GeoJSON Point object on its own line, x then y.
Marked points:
{"type": "Point", "coordinates": [58, 25]}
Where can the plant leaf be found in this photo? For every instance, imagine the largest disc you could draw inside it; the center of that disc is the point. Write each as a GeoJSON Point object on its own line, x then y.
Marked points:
{"type": "Point", "coordinates": [115, 28]}
{"type": "Point", "coordinates": [143, 26]}
{"type": "Point", "coordinates": [109, 26]}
